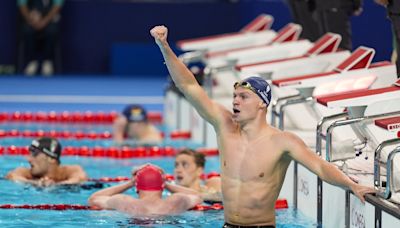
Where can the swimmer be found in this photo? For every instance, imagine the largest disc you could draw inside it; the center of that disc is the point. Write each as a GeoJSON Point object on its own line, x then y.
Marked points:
{"type": "Point", "coordinates": [133, 124]}
{"type": "Point", "coordinates": [45, 168]}
{"type": "Point", "coordinates": [149, 182]}
{"type": "Point", "coordinates": [189, 166]}
{"type": "Point", "coordinates": [254, 155]}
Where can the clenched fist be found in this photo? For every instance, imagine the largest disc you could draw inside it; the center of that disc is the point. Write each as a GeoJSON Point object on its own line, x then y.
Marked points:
{"type": "Point", "coordinates": [160, 34]}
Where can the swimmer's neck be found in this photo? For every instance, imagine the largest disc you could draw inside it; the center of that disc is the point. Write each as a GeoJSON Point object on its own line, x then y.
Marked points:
{"type": "Point", "coordinates": [150, 195]}
{"type": "Point", "coordinates": [196, 185]}
{"type": "Point", "coordinates": [254, 129]}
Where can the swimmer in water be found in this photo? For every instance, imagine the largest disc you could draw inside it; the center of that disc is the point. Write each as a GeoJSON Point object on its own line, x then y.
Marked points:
{"type": "Point", "coordinates": [189, 166]}
{"type": "Point", "coordinates": [133, 127]}
{"type": "Point", "coordinates": [45, 168]}
{"type": "Point", "coordinates": [149, 183]}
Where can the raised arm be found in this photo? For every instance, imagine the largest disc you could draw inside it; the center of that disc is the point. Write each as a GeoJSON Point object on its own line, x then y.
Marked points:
{"type": "Point", "coordinates": [184, 79]}
{"type": "Point", "coordinates": [325, 170]}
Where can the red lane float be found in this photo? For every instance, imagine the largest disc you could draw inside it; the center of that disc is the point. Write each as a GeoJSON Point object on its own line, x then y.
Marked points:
{"type": "Point", "coordinates": [70, 117]}
{"type": "Point", "coordinates": [63, 207]}
{"type": "Point", "coordinates": [280, 204]}
{"type": "Point", "coordinates": [174, 135]}
{"type": "Point", "coordinates": [114, 152]}
{"type": "Point", "coordinates": [57, 134]}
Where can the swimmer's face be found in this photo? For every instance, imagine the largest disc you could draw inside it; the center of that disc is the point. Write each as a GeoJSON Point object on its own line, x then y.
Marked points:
{"type": "Point", "coordinates": [186, 171]}
{"type": "Point", "coordinates": [40, 164]}
{"type": "Point", "coordinates": [245, 104]}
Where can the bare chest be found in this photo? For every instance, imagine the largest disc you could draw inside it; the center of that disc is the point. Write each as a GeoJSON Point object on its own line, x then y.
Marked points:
{"type": "Point", "coordinates": [249, 161]}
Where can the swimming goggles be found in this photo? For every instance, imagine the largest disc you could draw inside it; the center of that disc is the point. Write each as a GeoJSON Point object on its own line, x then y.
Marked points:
{"type": "Point", "coordinates": [245, 85]}
{"type": "Point", "coordinates": [36, 150]}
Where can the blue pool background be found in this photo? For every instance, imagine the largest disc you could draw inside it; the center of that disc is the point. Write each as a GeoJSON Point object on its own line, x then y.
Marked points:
{"type": "Point", "coordinates": [89, 93]}
{"type": "Point", "coordinates": [17, 193]}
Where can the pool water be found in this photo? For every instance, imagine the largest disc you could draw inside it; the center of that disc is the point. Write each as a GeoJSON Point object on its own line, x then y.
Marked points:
{"type": "Point", "coordinates": [17, 193]}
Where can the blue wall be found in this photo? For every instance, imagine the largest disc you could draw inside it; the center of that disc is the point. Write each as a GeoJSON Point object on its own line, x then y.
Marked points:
{"type": "Point", "coordinates": [90, 28]}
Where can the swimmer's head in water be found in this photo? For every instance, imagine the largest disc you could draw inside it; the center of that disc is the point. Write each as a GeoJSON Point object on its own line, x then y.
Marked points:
{"type": "Point", "coordinates": [149, 178]}
{"type": "Point", "coordinates": [49, 146]}
{"type": "Point", "coordinates": [135, 113]}
{"type": "Point", "coordinates": [259, 86]}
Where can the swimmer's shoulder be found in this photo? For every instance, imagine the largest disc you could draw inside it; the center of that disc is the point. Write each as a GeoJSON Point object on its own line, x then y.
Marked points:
{"type": "Point", "coordinates": [73, 170]}
{"type": "Point", "coordinates": [20, 172]}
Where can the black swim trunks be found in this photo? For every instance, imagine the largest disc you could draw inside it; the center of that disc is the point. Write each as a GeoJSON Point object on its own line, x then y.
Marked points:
{"type": "Point", "coordinates": [227, 225]}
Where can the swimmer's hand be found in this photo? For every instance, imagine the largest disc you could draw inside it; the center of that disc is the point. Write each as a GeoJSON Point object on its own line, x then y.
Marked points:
{"type": "Point", "coordinates": [360, 191]}
{"type": "Point", "coordinates": [160, 34]}
{"type": "Point", "coordinates": [45, 182]}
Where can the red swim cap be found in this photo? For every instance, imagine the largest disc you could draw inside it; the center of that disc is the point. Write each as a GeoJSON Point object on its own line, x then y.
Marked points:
{"type": "Point", "coordinates": [149, 178]}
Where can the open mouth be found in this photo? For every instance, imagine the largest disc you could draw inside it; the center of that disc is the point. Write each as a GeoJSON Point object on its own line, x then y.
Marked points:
{"type": "Point", "coordinates": [235, 110]}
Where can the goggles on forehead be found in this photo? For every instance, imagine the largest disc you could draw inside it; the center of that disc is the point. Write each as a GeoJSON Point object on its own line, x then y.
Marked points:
{"type": "Point", "coordinates": [245, 85]}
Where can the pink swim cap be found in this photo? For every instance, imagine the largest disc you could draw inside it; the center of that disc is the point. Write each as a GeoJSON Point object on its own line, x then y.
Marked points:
{"type": "Point", "coordinates": [149, 178]}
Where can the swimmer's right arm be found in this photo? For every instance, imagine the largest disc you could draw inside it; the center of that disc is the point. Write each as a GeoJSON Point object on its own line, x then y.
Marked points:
{"type": "Point", "coordinates": [184, 79]}
{"type": "Point", "coordinates": [19, 174]}
{"type": "Point", "coordinates": [100, 198]}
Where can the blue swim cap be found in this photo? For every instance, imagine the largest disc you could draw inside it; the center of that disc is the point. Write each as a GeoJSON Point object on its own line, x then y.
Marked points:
{"type": "Point", "coordinates": [259, 86]}
{"type": "Point", "coordinates": [135, 113]}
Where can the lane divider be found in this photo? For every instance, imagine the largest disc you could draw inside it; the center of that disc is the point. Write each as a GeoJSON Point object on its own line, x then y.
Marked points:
{"type": "Point", "coordinates": [70, 117]}
{"type": "Point", "coordinates": [91, 135]}
{"type": "Point", "coordinates": [114, 152]}
{"type": "Point", "coordinates": [279, 204]}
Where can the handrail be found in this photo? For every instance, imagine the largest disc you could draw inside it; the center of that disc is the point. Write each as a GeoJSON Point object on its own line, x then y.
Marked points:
{"type": "Point", "coordinates": [275, 104]}
{"type": "Point", "coordinates": [377, 176]}
{"type": "Point", "coordinates": [288, 103]}
{"type": "Point", "coordinates": [323, 120]}
{"type": "Point", "coordinates": [339, 123]}
{"type": "Point", "coordinates": [389, 172]}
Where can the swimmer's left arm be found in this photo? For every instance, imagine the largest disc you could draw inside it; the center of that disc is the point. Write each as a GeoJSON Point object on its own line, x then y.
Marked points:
{"type": "Point", "coordinates": [174, 188]}
{"type": "Point", "coordinates": [76, 175]}
{"type": "Point", "coordinates": [328, 172]}
{"type": "Point", "coordinates": [182, 201]}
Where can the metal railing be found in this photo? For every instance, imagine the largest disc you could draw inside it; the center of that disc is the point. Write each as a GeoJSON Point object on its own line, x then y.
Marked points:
{"type": "Point", "coordinates": [386, 193]}
{"type": "Point", "coordinates": [321, 123]}
{"type": "Point", "coordinates": [329, 135]}
{"type": "Point", "coordinates": [283, 103]}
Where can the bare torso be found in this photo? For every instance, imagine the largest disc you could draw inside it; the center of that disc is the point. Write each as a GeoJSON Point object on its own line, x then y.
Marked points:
{"type": "Point", "coordinates": [253, 173]}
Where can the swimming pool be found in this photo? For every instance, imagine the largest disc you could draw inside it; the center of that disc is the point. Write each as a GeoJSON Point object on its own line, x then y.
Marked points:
{"type": "Point", "coordinates": [15, 193]}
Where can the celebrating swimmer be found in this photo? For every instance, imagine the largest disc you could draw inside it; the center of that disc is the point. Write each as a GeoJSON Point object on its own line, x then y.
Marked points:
{"type": "Point", "coordinates": [254, 156]}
